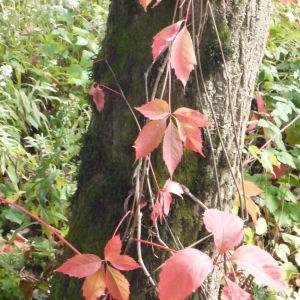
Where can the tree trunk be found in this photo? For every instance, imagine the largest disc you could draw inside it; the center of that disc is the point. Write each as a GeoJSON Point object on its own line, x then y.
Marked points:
{"type": "Point", "coordinates": [221, 90]}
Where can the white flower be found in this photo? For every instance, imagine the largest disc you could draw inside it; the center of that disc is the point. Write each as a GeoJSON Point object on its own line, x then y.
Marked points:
{"type": "Point", "coordinates": [53, 62]}
{"type": "Point", "coordinates": [2, 83]}
{"type": "Point", "coordinates": [290, 16]}
{"type": "Point", "coordinates": [59, 9]}
{"type": "Point", "coordinates": [5, 15]}
{"type": "Point", "coordinates": [72, 4]}
{"type": "Point", "coordinates": [6, 70]}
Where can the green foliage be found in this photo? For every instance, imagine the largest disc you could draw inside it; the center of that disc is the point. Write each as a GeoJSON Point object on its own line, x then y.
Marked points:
{"type": "Point", "coordinates": [279, 204]}
{"type": "Point", "coordinates": [45, 54]}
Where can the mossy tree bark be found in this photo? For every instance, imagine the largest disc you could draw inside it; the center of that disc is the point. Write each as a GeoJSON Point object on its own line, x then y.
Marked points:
{"type": "Point", "coordinates": [217, 89]}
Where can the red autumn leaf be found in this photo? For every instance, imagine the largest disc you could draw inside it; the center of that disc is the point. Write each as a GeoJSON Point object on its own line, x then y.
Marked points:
{"type": "Point", "coordinates": [227, 228]}
{"type": "Point", "coordinates": [187, 115]}
{"type": "Point", "coordinates": [260, 264]}
{"type": "Point", "coordinates": [156, 212]}
{"type": "Point", "coordinates": [232, 291]}
{"type": "Point", "coordinates": [183, 56]}
{"type": "Point", "coordinates": [164, 38]}
{"type": "Point", "coordinates": [261, 106]}
{"type": "Point", "coordinates": [251, 189]}
{"type": "Point", "coordinates": [287, 1]}
{"type": "Point", "coordinates": [279, 171]}
{"type": "Point", "coordinates": [253, 122]}
{"type": "Point", "coordinates": [191, 136]}
{"type": "Point", "coordinates": [155, 110]}
{"type": "Point", "coordinates": [98, 96]}
{"type": "Point", "coordinates": [166, 200]}
{"type": "Point", "coordinates": [94, 285]}
{"type": "Point", "coordinates": [172, 148]}
{"type": "Point", "coordinates": [173, 187]}
{"type": "Point", "coordinates": [194, 143]}
{"type": "Point", "coordinates": [183, 273]}
{"type": "Point", "coordinates": [149, 138]}
{"type": "Point", "coordinates": [125, 263]}
{"type": "Point", "coordinates": [112, 253]}
{"type": "Point", "coordinates": [112, 248]}
{"type": "Point", "coordinates": [170, 187]}
{"type": "Point", "coordinates": [145, 3]}
{"type": "Point", "coordinates": [81, 265]}
{"type": "Point", "coordinates": [117, 284]}
{"type": "Point", "coordinates": [6, 247]}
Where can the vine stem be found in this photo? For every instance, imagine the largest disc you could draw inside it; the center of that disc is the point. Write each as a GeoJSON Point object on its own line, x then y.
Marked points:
{"type": "Point", "coordinates": [28, 213]}
{"type": "Point", "coordinates": [155, 245]}
{"type": "Point", "coordinates": [129, 212]}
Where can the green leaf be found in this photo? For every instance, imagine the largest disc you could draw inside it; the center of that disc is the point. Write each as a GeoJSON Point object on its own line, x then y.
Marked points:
{"type": "Point", "coordinates": [282, 217]}
{"type": "Point", "coordinates": [13, 177]}
{"type": "Point", "coordinates": [13, 214]}
{"type": "Point", "coordinates": [86, 58]}
{"type": "Point", "coordinates": [286, 158]}
{"type": "Point", "coordinates": [285, 194]}
{"type": "Point", "coordinates": [293, 134]}
{"type": "Point", "coordinates": [291, 239]}
{"type": "Point", "coordinates": [31, 121]}
{"type": "Point", "coordinates": [294, 210]}
{"type": "Point", "coordinates": [74, 70]}
{"type": "Point", "coordinates": [81, 41]}
{"type": "Point", "coordinates": [266, 163]}
{"type": "Point", "coordinates": [282, 251]}
{"type": "Point", "coordinates": [49, 49]}
{"type": "Point", "coordinates": [272, 202]}
{"type": "Point", "coordinates": [289, 270]}
{"type": "Point", "coordinates": [290, 179]}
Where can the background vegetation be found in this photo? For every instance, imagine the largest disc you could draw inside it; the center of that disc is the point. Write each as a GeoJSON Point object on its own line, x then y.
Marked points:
{"type": "Point", "coordinates": [45, 55]}
{"type": "Point", "coordinates": [46, 50]}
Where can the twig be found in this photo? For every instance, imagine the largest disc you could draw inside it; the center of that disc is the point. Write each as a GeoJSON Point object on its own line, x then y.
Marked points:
{"type": "Point", "coordinates": [188, 193]}
{"type": "Point", "coordinates": [28, 213]}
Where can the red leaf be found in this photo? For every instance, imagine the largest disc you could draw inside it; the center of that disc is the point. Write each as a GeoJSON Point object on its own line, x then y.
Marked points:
{"type": "Point", "coordinates": [98, 96]}
{"type": "Point", "coordinates": [279, 171]}
{"type": "Point", "coordinates": [164, 38]}
{"type": "Point", "coordinates": [81, 265]}
{"type": "Point", "coordinates": [117, 284]}
{"type": "Point", "coordinates": [232, 291]}
{"type": "Point", "coordinates": [170, 187]}
{"type": "Point", "coordinates": [191, 136]}
{"type": "Point", "coordinates": [172, 148]}
{"type": "Point", "coordinates": [112, 248]}
{"type": "Point", "coordinates": [194, 143]}
{"type": "Point", "coordinates": [167, 200]}
{"type": "Point", "coordinates": [156, 212]}
{"type": "Point", "coordinates": [261, 106]}
{"type": "Point", "coordinates": [227, 228]}
{"type": "Point", "coordinates": [287, 1]}
{"type": "Point", "coordinates": [187, 115]}
{"type": "Point", "coordinates": [155, 110]}
{"type": "Point", "coordinates": [253, 122]}
{"type": "Point", "coordinates": [94, 285]}
{"type": "Point", "coordinates": [183, 273]}
{"type": "Point", "coordinates": [259, 264]}
{"type": "Point", "coordinates": [145, 3]}
{"type": "Point", "coordinates": [125, 263]}
{"type": "Point", "coordinates": [149, 138]}
{"type": "Point", "coordinates": [183, 56]}
{"type": "Point", "coordinates": [173, 187]}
